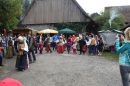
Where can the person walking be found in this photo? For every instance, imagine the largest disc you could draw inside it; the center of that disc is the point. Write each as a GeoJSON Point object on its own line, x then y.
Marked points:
{"type": "Point", "coordinates": [60, 46]}
{"type": "Point", "coordinates": [74, 47]}
{"type": "Point", "coordinates": [55, 39]}
{"type": "Point", "coordinates": [92, 46]}
{"type": "Point", "coordinates": [1, 56]}
{"type": "Point", "coordinates": [48, 44]}
{"type": "Point", "coordinates": [31, 48]}
{"type": "Point", "coordinates": [21, 61]}
{"type": "Point", "coordinates": [81, 44]}
{"type": "Point", "coordinates": [100, 46]}
{"type": "Point", "coordinates": [41, 45]}
{"type": "Point", "coordinates": [123, 48]}
{"type": "Point", "coordinates": [6, 41]}
{"type": "Point", "coordinates": [9, 52]}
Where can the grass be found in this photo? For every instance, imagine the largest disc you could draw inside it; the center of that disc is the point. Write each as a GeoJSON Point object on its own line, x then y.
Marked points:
{"type": "Point", "coordinates": [112, 56]}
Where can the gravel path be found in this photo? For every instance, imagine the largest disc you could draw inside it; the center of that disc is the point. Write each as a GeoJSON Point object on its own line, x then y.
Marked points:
{"type": "Point", "coordinates": [66, 70]}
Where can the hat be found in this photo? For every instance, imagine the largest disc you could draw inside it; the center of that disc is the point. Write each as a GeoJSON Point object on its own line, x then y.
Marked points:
{"type": "Point", "coordinates": [10, 82]}
{"type": "Point", "coordinates": [20, 38]}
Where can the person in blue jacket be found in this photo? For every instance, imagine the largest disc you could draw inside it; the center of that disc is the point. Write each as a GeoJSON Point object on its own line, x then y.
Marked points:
{"type": "Point", "coordinates": [122, 46]}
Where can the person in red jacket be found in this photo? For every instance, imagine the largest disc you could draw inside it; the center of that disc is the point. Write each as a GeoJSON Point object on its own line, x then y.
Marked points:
{"type": "Point", "coordinates": [73, 38]}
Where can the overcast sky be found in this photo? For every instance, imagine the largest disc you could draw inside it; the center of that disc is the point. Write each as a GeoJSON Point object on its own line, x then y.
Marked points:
{"type": "Point", "coordinates": [91, 6]}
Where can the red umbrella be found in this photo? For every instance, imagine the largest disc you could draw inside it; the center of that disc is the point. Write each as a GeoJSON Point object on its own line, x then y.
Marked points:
{"type": "Point", "coordinates": [10, 82]}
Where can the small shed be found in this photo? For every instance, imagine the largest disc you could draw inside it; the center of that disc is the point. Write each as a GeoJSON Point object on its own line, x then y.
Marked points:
{"type": "Point", "coordinates": [25, 31]}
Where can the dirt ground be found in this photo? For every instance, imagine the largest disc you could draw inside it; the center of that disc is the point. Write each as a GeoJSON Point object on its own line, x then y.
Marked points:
{"type": "Point", "coordinates": [53, 69]}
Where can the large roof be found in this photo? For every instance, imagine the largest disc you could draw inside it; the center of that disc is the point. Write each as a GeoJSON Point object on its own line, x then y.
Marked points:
{"type": "Point", "coordinates": [54, 11]}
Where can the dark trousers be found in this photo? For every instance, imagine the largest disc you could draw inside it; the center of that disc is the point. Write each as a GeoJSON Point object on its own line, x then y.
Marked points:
{"type": "Point", "coordinates": [92, 49]}
{"type": "Point", "coordinates": [3, 53]}
{"type": "Point", "coordinates": [36, 47]}
{"type": "Point", "coordinates": [124, 71]}
{"type": "Point", "coordinates": [22, 63]}
{"type": "Point", "coordinates": [1, 58]}
{"type": "Point", "coordinates": [54, 45]}
{"type": "Point", "coordinates": [16, 49]}
{"type": "Point", "coordinates": [33, 54]}
{"type": "Point", "coordinates": [81, 50]}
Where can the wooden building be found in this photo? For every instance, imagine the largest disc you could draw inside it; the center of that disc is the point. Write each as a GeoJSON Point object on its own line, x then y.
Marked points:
{"type": "Point", "coordinates": [25, 31]}
{"type": "Point", "coordinates": [43, 14]}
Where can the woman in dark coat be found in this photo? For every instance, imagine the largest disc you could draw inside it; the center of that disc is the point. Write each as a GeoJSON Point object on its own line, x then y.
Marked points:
{"type": "Point", "coordinates": [100, 46]}
{"type": "Point", "coordinates": [81, 44]}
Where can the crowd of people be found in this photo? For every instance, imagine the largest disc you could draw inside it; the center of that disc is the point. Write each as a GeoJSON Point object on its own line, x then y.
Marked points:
{"type": "Point", "coordinates": [27, 46]}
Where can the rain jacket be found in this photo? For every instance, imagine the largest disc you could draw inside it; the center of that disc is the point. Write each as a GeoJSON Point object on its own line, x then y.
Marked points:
{"type": "Point", "coordinates": [124, 50]}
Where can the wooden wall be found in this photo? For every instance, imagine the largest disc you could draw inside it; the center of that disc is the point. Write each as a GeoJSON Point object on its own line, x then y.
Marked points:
{"type": "Point", "coordinates": [53, 11]}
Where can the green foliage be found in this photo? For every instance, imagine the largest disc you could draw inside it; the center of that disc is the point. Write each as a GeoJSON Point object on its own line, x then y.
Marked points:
{"type": "Point", "coordinates": [74, 26]}
{"type": "Point", "coordinates": [94, 15]}
{"type": "Point", "coordinates": [10, 10]}
{"type": "Point", "coordinates": [103, 21]}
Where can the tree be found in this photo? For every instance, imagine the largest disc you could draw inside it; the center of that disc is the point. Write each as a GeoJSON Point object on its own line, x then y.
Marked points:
{"type": "Point", "coordinates": [10, 10]}
{"type": "Point", "coordinates": [103, 20]}
{"type": "Point", "coordinates": [94, 15]}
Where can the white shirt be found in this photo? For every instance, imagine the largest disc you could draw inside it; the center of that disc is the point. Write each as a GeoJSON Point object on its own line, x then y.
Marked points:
{"type": "Point", "coordinates": [26, 46]}
{"type": "Point", "coordinates": [88, 42]}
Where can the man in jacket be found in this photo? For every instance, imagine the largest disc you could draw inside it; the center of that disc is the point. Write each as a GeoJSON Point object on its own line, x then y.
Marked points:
{"type": "Point", "coordinates": [31, 48]}
{"type": "Point", "coordinates": [55, 41]}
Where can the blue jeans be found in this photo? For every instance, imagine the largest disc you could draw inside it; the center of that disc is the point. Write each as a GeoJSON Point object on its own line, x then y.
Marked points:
{"type": "Point", "coordinates": [92, 49]}
{"type": "Point", "coordinates": [124, 71]}
{"type": "Point", "coordinates": [1, 58]}
{"type": "Point", "coordinates": [33, 54]}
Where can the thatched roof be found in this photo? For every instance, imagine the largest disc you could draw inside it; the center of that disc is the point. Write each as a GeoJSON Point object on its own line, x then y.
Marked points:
{"type": "Point", "coordinates": [54, 11]}
{"type": "Point", "coordinates": [124, 10]}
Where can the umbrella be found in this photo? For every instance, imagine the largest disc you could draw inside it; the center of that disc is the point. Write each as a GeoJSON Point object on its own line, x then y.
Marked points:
{"type": "Point", "coordinates": [10, 82]}
{"type": "Point", "coordinates": [48, 31]}
{"type": "Point", "coordinates": [66, 30]}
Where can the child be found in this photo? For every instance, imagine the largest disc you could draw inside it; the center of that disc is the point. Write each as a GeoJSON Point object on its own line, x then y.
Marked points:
{"type": "Point", "coordinates": [74, 46]}
{"type": "Point", "coordinates": [68, 46]}
{"type": "Point", "coordinates": [41, 47]}
{"type": "Point", "coordinates": [1, 57]}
